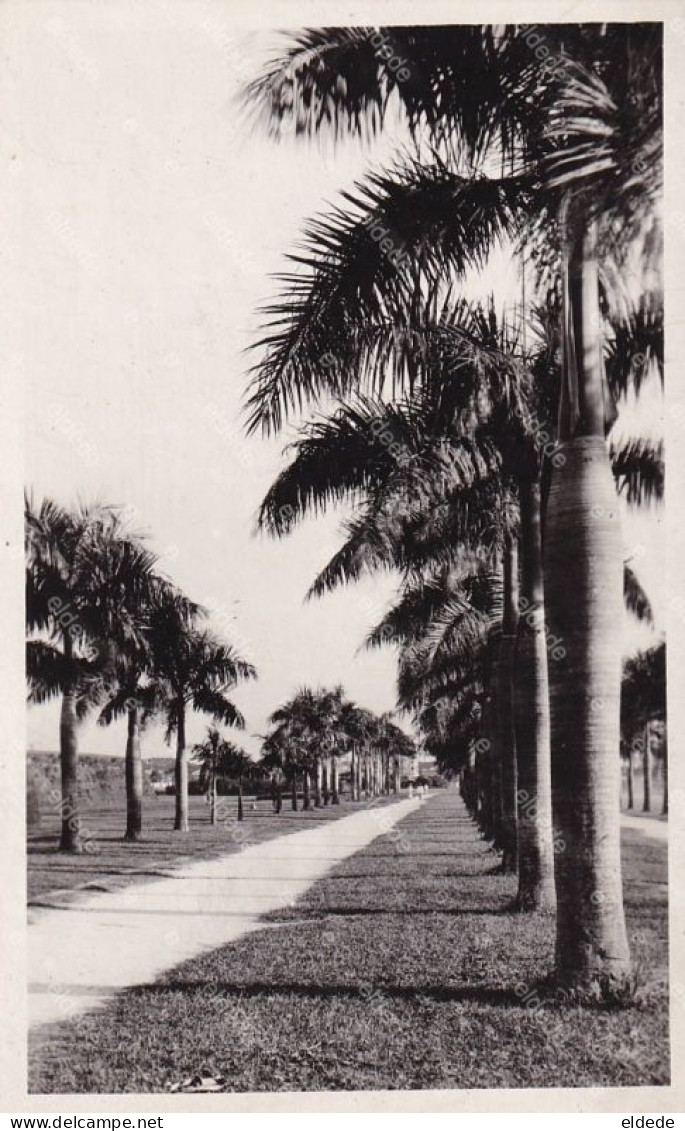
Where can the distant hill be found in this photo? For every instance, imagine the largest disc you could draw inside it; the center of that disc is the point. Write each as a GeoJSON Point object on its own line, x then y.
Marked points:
{"type": "Point", "coordinates": [100, 777]}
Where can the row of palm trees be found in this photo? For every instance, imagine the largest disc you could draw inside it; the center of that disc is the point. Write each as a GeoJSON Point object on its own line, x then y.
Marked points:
{"type": "Point", "coordinates": [219, 758]}
{"type": "Point", "coordinates": [314, 728]}
{"type": "Point", "coordinates": [308, 736]}
{"type": "Point", "coordinates": [643, 710]}
{"type": "Point", "coordinates": [473, 442]}
{"type": "Point", "coordinates": [108, 632]}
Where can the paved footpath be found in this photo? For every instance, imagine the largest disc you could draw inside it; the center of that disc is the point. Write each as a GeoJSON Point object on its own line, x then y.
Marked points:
{"type": "Point", "coordinates": [79, 956]}
{"type": "Point", "coordinates": [652, 826]}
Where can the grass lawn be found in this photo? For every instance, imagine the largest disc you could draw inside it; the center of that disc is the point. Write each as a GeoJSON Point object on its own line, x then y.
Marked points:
{"type": "Point", "coordinates": [114, 862]}
{"type": "Point", "coordinates": [404, 968]}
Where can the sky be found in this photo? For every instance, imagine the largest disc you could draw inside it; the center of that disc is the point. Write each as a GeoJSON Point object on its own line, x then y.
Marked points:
{"type": "Point", "coordinates": [152, 216]}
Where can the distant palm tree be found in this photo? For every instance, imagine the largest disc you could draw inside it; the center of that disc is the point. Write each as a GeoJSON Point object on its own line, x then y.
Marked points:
{"type": "Point", "coordinates": [281, 756]}
{"type": "Point", "coordinates": [643, 702]}
{"type": "Point", "coordinates": [211, 755]}
{"type": "Point", "coordinates": [193, 670]}
{"type": "Point", "coordinates": [218, 757]}
{"type": "Point", "coordinates": [308, 720]}
{"type": "Point", "coordinates": [85, 581]}
{"type": "Point", "coordinates": [241, 767]}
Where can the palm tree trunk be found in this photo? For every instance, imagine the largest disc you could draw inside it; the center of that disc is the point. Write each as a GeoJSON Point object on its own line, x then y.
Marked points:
{"type": "Point", "coordinates": [396, 775]}
{"type": "Point", "coordinates": [293, 792]}
{"type": "Point", "coordinates": [505, 709]}
{"type": "Point", "coordinates": [318, 780]}
{"type": "Point", "coordinates": [181, 773]}
{"type": "Point", "coordinates": [531, 701]}
{"type": "Point", "coordinates": [486, 807]}
{"type": "Point", "coordinates": [134, 778]}
{"type": "Point", "coordinates": [212, 794]}
{"type": "Point", "coordinates": [646, 771]}
{"type": "Point", "coordinates": [335, 796]}
{"type": "Point", "coordinates": [324, 782]}
{"type": "Point", "coordinates": [629, 775]}
{"type": "Point", "coordinates": [664, 807]}
{"type": "Point", "coordinates": [473, 766]}
{"type": "Point", "coordinates": [70, 839]}
{"type": "Point", "coordinates": [306, 791]}
{"type": "Point", "coordinates": [583, 594]}
{"type": "Point", "coordinates": [492, 762]}
{"type": "Point", "coordinates": [353, 776]}
{"type": "Point", "coordinates": [241, 815]}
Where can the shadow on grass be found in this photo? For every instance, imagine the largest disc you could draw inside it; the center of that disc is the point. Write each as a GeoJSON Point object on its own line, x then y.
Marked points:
{"type": "Point", "coordinates": [486, 995]}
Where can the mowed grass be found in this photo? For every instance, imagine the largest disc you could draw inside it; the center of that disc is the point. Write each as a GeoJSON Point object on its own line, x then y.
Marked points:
{"type": "Point", "coordinates": [404, 968]}
{"type": "Point", "coordinates": [111, 862]}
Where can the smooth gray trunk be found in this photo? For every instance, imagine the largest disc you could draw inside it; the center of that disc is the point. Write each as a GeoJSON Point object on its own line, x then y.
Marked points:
{"type": "Point", "coordinates": [584, 604]}
{"type": "Point", "coordinates": [181, 824]}
{"type": "Point", "coordinates": [531, 701]}
{"type": "Point", "coordinates": [505, 711]}
{"type": "Point", "coordinates": [70, 838]}
{"type": "Point", "coordinates": [646, 770]}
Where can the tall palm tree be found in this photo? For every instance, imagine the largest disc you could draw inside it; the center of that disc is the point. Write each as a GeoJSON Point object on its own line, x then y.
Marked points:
{"type": "Point", "coordinates": [586, 130]}
{"type": "Point", "coordinates": [85, 581]}
{"type": "Point", "coordinates": [132, 691]}
{"type": "Point", "coordinates": [193, 670]}
{"type": "Point", "coordinates": [397, 453]}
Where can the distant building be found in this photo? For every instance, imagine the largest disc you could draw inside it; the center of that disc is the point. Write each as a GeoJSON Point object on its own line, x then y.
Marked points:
{"type": "Point", "coordinates": [423, 765]}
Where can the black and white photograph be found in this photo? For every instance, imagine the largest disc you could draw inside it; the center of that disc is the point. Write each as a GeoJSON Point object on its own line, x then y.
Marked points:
{"type": "Point", "coordinates": [341, 351]}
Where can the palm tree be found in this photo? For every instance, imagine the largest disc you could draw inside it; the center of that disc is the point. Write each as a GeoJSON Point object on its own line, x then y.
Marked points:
{"type": "Point", "coordinates": [131, 695]}
{"type": "Point", "coordinates": [586, 131]}
{"type": "Point", "coordinates": [241, 767]}
{"type": "Point", "coordinates": [443, 462]}
{"type": "Point", "coordinates": [285, 752]}
{"type": "Point", "coordinates": [643, 702]}
{"type": "Point", "coordinates": [308, 720]}
{"type": "Point", "coordinates": [369, 449]}
{"type": "Point", "coordinates": [355, 726]}
{"type": "Point", "coordinates": [211, 755]}
{"type": "Point", "coordinates": [218, 757]}
{"type": "Point", "coordinates": [393, 744]}
{"type": "Point", "coordinates": [192, 670]}
{"type": "Point", "coordinates": [85, 582]}
{"type": "Point", "coordinates": [132, 691]}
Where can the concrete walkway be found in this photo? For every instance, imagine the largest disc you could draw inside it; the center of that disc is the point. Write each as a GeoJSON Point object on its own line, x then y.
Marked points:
{"type": "Point", "coordinates": [79, 956]}
{"type": "Point", "coordinates": [647, 823]}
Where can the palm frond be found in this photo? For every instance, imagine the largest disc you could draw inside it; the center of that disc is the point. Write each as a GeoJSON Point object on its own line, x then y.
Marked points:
{"type": "Point", "coordinates": [216, 705]}
{"type": "Point", "coordinates": [359, 263]}
{"type": "Point", "coordinates": [638, 467]}
{"type": "Point", "coordinates": [472, 87]}
{"type": "Point", "coordinates": [635, 597]}
{"type": "Point", "coordinates": [636, 344]}
{"type": "Point", "coordinates": [49, 672]}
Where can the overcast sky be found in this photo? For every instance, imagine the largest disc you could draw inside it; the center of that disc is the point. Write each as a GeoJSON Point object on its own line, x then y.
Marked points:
{"type": "Point", "coordinates": [151, 219]}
